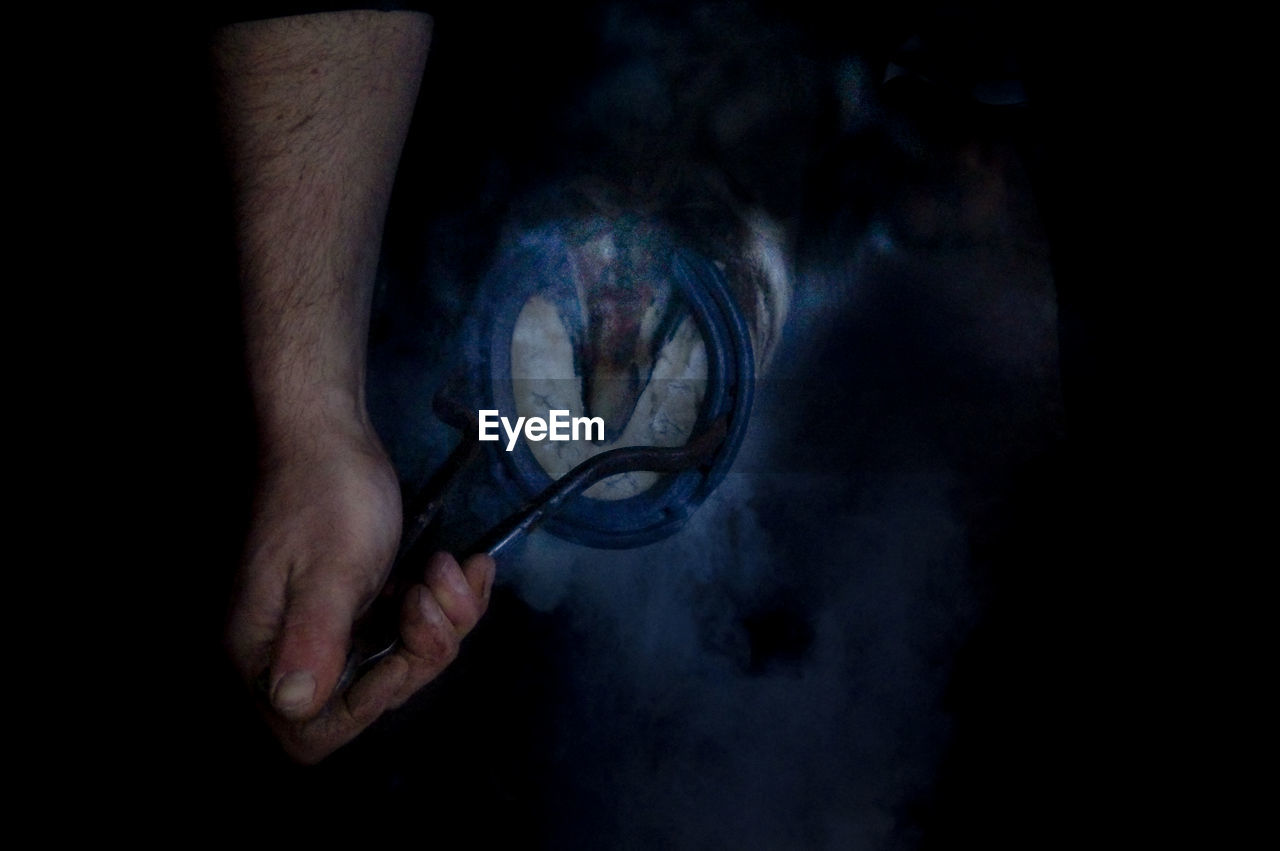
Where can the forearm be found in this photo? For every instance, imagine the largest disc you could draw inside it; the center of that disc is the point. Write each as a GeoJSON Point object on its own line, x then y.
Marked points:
{"type": "Point", "coordinates": [315, 111]}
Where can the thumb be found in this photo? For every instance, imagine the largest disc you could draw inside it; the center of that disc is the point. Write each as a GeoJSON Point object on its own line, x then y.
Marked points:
{"type": "Point", "coordinates": [311, 648]}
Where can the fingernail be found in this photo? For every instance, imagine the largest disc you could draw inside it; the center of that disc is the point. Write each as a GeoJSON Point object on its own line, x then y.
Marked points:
{"type": "Point", "coordinates": [458, 583]}
{"type": "Point", "coordinates": [294, 691]}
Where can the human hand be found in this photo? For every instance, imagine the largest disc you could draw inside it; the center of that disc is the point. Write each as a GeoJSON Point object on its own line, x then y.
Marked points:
{"type": "Point", "coordinates": [325, 529]}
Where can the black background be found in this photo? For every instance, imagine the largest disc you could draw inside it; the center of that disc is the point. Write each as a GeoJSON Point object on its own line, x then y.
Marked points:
{"type": "Point", "coordinates": [1053, 732]}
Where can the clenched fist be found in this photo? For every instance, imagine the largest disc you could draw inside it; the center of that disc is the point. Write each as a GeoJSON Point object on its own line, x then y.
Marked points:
{"type": "Point", "coordinates": [324, 533]}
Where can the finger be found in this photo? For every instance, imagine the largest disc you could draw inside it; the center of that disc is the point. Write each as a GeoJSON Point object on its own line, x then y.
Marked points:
{"type": "Point", "coordinates": [429, 636]}
{"type": "Point", "coordinates": [461, 596]}
{"type": "Point", "coordinates": [346, 716]}
{"type": "Point", "coordinates": [480, 570]}
{"type": "Point", "coordinates": [311, 647]}
{"type": "Point", "coordinates": [373, 693]}
{"type": "Point", "coordinates": [430, 641]}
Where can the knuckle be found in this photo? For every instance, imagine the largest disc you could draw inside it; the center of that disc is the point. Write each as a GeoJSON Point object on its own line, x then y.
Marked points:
{"type": "Point", "coordinates": [436, 645]}
{"type": "Point", "coordinates": [366, 713]}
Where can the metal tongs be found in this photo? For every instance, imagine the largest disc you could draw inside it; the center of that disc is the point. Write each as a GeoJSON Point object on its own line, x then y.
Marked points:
{"type": "Point", "coordinates": [377, 633]}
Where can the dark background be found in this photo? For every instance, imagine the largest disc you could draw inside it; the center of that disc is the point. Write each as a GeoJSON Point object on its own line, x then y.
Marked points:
{"type": "Point", "coordinates": [1029, 727]}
